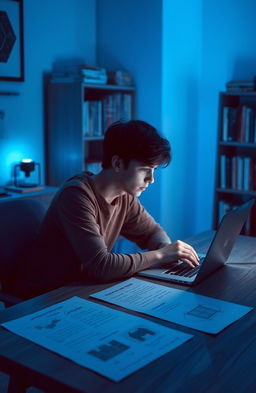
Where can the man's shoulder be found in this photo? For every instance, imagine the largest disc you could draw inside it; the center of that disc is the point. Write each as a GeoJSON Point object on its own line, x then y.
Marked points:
{"type": "Point", "coordinates": [78, 186]}
{"type": "Point", "coordinates": [81, 180]}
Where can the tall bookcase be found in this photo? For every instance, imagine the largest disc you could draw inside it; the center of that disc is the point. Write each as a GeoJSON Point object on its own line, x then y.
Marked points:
{"type": "Point", "coordinates": [77, 116]}
{"type": "Point", "coordinates": [236, 156]}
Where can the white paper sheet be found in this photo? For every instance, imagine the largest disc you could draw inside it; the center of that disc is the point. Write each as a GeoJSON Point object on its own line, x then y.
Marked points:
{"type": "Point", "coordinates": [184, 308]}
{"type": "Point", "coordinates": [110, 342]}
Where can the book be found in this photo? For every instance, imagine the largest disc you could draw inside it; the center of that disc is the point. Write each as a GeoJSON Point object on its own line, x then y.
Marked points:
{"type": "Point", "coordinates": [223, 182]}
{"type": "Point", "coordinates": [240, 173]}
{"type": "Point", "coordinates": [23, 190]}
{"type": "Point", "coordinates": [225, 123]}
{"type": "Point", "coordinates": [232, 124]}
{"type": "Point", "coordinates": [247, 164]}
{"type": "Point", "coordinates": [241, 85]}
{"type": "Point", "coordinates": [73, 78]}
{"type": "Point", "coordinates": [241, 137]}
{"type": "Point", "coordinates": [85, 73]}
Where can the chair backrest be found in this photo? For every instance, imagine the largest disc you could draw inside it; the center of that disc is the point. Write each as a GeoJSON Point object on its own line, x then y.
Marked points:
{"type": "Point", "coordinates": [19, 222]}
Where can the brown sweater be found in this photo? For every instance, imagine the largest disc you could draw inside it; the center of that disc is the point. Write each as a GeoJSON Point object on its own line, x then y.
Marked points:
{"type": "Point", "coordinates": [78, 233]}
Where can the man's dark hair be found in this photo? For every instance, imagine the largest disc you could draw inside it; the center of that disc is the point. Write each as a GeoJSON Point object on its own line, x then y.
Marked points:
{"type": "Point", "coordinates": [135, 140]}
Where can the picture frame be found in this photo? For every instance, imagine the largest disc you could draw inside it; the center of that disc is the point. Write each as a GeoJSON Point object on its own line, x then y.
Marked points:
{"type": "Point", "coordinates": [11, 41]}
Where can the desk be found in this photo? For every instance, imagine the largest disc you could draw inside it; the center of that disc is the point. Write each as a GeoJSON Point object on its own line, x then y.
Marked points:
{"type": "Point", "coordinates": [45, 196]}
{"type": "Point", "coordinates": [212, 364]}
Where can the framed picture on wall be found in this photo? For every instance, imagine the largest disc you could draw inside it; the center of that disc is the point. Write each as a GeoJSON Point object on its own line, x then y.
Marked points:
{"type": "Point", "coordinates": [11, 40]}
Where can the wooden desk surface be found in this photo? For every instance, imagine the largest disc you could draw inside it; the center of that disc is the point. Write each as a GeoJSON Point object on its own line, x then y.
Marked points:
{"type": "Point", "coordinates": [212, 364]}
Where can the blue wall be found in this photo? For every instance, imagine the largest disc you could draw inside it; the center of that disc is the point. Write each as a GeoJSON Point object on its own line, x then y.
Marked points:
{"type": "Point", "coordinates": [205, 44]}
{"type": "Point", "coordinates": [181, 55]}
{"type": "Point", "coordinates": [129, 37]}
{"type": "Point", "coordinates": [228, 52]}
{"type": "Point", "coordinates": [54, 30]}
{"type": "Point", "coordinates": [180, 113]}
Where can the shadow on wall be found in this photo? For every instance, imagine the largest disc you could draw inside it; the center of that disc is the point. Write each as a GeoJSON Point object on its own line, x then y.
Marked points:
{"type": "Point", "coordinates": [59, 63]}
{"type": "Point", "coordinates": [190, 154]}
{"type": "Point", "coordinates": [244, 68]}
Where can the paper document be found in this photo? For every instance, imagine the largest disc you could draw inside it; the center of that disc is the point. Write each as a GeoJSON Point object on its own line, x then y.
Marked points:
{"type": "Point", "coordinates": [184, 308]}
{"type": "Point", "coordinates": [110, 342]}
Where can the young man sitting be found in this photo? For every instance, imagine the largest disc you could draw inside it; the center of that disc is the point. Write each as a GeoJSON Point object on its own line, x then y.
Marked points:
{"type": "Point", "coordinates": [90, 211]}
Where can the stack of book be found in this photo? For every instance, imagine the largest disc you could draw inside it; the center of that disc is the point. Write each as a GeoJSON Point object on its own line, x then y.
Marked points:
{"type": "Point", "coordinates": [241, 85]}
{"type": "Point", "coordinates": [83, 72]}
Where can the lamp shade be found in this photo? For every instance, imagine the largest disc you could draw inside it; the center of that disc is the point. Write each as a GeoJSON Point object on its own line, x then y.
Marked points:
{"type": "Point", "coordinates": [27, 165]}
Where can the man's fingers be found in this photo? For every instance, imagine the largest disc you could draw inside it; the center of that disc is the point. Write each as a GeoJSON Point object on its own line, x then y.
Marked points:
{"type": "Point", "coordinates": [188, 262]}
{"type": "Point", "coordinates": [191, 249]}
{"type": "Point", "coordinates": [187, 252]}
{"type": "Point", "coordinates": [189, 256]}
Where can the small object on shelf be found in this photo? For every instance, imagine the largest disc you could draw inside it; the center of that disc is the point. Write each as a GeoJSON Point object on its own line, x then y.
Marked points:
{"type": "Point", "coordinates": [27, 165]}
{"type": "Point", "coordinates": [120, 78]}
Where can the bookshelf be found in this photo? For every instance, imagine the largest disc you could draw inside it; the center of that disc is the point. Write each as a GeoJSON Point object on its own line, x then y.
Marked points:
{"type": "Point", "coordinates": [77, 115]}
{"type": "Point", "coordinates": [236, 156]}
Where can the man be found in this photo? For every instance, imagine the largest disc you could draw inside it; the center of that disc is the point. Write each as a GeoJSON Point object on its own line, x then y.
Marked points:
{"type": "Point", "coordinates": [91, 211]}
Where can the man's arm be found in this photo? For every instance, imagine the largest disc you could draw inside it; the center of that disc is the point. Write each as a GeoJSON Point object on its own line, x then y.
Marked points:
{"type": "Point", "coordinates": [158, 239]}
{"type": "Point", "coordinates": [76, 216]}
{"type": "Point", "coordinates": [141, 228]}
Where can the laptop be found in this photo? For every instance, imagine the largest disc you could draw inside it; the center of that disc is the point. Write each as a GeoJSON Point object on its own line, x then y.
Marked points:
{"type": "Point", "coordinates": [217, 254]}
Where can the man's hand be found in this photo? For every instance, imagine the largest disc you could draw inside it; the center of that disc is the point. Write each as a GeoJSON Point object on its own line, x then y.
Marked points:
{"type": "Point", "coordinates": [179, 251]}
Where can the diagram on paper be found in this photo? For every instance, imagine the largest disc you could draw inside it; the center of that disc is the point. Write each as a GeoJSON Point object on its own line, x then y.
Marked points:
{"type": "Point", "coordinates": [140, 333]}
{"type": "Point", "coordinates": [202, 312]}
{"type": "Point", "coordinates": [108, 351]}
{"type": "Point", "coordinates": [50, 325]}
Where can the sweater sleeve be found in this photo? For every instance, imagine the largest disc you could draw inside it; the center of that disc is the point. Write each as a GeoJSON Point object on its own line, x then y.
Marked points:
{"type": "Point", "coordinates": [141, 228]}
{"type": "Point", "coordinates": [76, 215]}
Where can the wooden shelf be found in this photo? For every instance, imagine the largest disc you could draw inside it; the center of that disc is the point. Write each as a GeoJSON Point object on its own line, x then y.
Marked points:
{"type": "Point", "coordinates": [95, 86]}
{"type": "Point", "coordinates": [237, 192]}
{"type": "Point", "coordinates": [93, 138]}
{"type": "Point", "coordinates": [237, 144]}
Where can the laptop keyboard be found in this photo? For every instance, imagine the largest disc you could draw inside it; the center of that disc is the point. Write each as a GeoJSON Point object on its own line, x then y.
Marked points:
{"type": "Point", "coordinates": [184, 270]}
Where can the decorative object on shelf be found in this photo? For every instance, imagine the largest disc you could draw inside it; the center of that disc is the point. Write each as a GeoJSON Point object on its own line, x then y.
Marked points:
{"type": "Point", "coordinates": [27, 165]}
{"type": "Point", "coordinates": [120, 78]}
{"type": "Point", "coordinates": [11, 40]}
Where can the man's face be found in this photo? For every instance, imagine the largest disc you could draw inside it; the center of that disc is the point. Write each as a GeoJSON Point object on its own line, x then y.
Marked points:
{"type": "Point", "coordinates": [136, 177]}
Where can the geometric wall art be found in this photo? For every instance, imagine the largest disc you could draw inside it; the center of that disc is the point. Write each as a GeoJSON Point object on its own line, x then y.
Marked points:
{"type": "Point", "coordinates": [11, 40]}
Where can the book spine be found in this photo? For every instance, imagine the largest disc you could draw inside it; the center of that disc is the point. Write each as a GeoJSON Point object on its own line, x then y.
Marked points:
{"type": "Point", "coordinates": [246, 186]}
{"type": "Point", "coordinates": [223, 181]}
